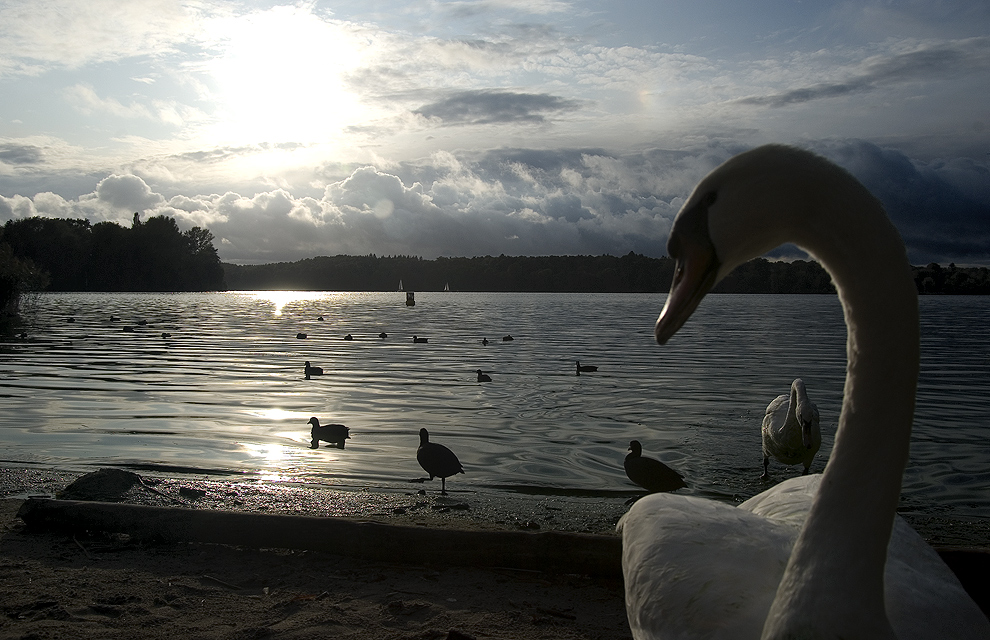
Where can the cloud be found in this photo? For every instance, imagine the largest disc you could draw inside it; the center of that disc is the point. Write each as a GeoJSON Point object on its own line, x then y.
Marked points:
{"type": "Point", "coordinates": [17, 154]}
{"type": "Point", "coordinates": [128, 193]}
{"type": "Point", "coordinates": [520, 201]}
{"type": "Point", "coordinates": [927, 63]}
{"type": "Point", "coordinates": [496, 107]}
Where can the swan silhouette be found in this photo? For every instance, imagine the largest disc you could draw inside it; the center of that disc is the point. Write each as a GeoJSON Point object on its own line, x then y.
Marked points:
{"type": "Point", "coordinates": [790, 429]}
{"type": "Point", "coordinates": [817, 556]}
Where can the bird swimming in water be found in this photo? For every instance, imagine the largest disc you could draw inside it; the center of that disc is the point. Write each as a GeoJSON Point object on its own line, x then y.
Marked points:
{"type": "Point", "coordinates": [790, 429]}
{"type": "Point", "coordinates": [483, 377]}
{"type": "Point", "coordinates": [382, 335]}
{"type": "Point", "coordinates": [586, 368]}
{"type": "Point", "coordinates": [419, 340]}
{"type": "Point", "coordinates": [648, 473]}
{"type": "Point", "coordinates": [437, 460]}
{"type": "Point", "coordinates": [331, 433]}
{"type": "Point", "coordinates": [312, 371]}
{"type": "Point", "coordinates": [484, 341]}
{"type": "Point", "coordinates": [507, 338]}
{"type": "Point", "coordinates": [301, 336]}
{"type": "Point", "coordinates": [348, 337]}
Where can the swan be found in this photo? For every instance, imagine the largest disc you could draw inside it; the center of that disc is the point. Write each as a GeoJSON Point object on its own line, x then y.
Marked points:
{"type": "Point", "coordinates": [790, 429]}
{"type": "Point", "coordinates": [648, 473]}
{"type": "Point", "coordinates": [808, 558]}
{"type": "Point", "coordinates": [483, 377]}
{"type": "Point", "coordinates": [437, 460]}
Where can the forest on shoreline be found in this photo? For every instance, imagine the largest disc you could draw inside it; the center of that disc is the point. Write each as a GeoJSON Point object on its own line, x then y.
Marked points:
{"type": "Point", "coordinates": [631, 273]}
{"type": "Point", "coordinates": [56, 254]}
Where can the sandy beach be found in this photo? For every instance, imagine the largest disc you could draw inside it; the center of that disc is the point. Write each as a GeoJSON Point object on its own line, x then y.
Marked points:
{"type": "Point", "coordinates": [109, 586]}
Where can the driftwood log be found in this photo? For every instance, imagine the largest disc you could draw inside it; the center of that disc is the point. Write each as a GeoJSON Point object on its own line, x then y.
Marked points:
{"type": "Point", "coordinates": [552, 551]}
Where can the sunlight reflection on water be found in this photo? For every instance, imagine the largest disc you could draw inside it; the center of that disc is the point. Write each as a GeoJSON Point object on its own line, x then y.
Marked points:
{"type": "Point", "coordinates": [224, 391]}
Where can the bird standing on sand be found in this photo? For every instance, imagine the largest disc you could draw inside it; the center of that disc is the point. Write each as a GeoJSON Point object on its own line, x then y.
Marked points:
{"type": "Point", "coordinates": [790, 429]}
{"type": "Point", "coordinates": [312, 371]}
{"type": "Point", "coordinates": [648, 473]}
{"type": "Point", "coordinates": [331, 433]}
{"type": "Point", "coordinates": [587, 368]}
{"type": "Point", "coordinates": [483, 377]}
{"type": "Point", "coordinates": [437, 460]}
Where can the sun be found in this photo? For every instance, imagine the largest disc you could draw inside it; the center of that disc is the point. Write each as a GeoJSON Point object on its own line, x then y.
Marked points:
{"type": "Point", "coordinates": [281, 77]}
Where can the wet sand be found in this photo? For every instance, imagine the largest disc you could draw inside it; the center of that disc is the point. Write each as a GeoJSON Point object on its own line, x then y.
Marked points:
{"type": "Point", "coordinates": [109, 586]}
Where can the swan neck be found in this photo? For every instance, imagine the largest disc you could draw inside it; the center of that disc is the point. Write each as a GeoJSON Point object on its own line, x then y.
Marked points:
{"type": "Point", "coordinates": [844, 539]}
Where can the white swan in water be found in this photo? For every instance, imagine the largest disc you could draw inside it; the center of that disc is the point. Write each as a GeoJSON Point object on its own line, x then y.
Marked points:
{"type": "Point", "coordinates": [809, 558]}
{"type": "Point", "coordinates": [790, 429]}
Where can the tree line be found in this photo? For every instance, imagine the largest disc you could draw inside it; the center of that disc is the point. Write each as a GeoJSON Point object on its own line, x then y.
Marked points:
{"type": "Point", "coordinates": [631, 273]}
{"type": "Point", "coordinates": [61, 254]}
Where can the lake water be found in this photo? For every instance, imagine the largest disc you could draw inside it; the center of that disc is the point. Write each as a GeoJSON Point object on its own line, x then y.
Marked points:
{"type": "Point", "coordinates": [225, 394]}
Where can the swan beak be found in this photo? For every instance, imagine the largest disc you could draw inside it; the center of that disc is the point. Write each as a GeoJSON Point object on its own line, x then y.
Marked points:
{"type": "Point", "coordinates": [695, 272]}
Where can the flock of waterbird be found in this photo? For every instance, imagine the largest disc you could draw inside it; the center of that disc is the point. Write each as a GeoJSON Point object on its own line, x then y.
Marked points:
{"type": "Point", "coordinates": [790, 434]}
{"type": "Point", "coordinates": [819, 555]}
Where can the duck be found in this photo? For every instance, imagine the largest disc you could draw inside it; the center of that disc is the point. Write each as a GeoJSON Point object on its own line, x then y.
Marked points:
{"type": "Point", "coordinates": [348, 337]}
{"type": "Point", "coordinates": [790, 429]}
{"type": "Point", "coordinates": [507, 338]}
{"type": "Point", "coordinates": [584, 368]}
{"type": "Point", "coordinates": [311, 371]}
{"type": "Point", "coordinates": [382, 335]}
{"type": "Point", "coordinates": [437, 460]}
{"type": "Point", "coordinates": [648, 473]}
{"type": "Point", "coordinates": [819, 555]}
{"type": "Point", "coordinates": [301, 336]}
{"type": "Point", "coordinates": [418, 340]}
{"type": "Point", "coordinates": [483, 377]}
{"type": "Point", "coordinates": [484, 341]}
{"type": "Point", "coordinates": [331, 433]}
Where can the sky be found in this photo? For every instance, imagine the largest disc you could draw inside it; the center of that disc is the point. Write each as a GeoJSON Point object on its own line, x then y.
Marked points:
{"type": "Point", "coordinates": [483, 127]}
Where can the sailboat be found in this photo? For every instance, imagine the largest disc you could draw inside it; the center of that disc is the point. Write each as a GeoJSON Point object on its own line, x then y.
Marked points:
{"type": "Point", "coordinates": [446, 287]}
{"type": "Point", "coordinates": [400, 285]}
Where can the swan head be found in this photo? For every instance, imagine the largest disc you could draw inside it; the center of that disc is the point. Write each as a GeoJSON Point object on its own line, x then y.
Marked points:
{"type": "Point", "coordinates": [737, 212]}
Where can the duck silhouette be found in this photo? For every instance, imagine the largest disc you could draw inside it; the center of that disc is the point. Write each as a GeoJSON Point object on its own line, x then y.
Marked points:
{"type": "Point", "coordinates": [312, 371]}
{"type": "Point", "coordinates": [331, 433]}
{"type": "Point", "coordinates": [648, 473]}
{"type": "Point", "coordinates": [418, 340]}
{"type": "Point", "coordinates": [483, 377]}
{"type": "Point", "coordinates": [586, 368]}
{"type": "Point", "coordinates": [437, 460]}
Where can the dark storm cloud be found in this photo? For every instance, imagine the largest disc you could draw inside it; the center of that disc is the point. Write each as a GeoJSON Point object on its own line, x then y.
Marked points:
{"type": "Point", "coordinates": [942, 209]}
{"type": "Point", "coordinates": [924, 64]}
{"type": "Point", "coordinates": [20, 154]}
{"type": "Point", "coordinates": [496, 107]}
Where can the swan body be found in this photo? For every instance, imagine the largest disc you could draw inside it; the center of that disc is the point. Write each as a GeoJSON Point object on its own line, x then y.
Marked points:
{"type": "Point", "coordinates": [331, 433]}
{"type": "Point", "coordinates": [790, 429]}
{"type": "Point", "coordinates": [648, 473]}
{"type": "Point", "coordinates": [818, 556]}
{"type": "Point", "coordinates": [437, 460]}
